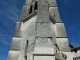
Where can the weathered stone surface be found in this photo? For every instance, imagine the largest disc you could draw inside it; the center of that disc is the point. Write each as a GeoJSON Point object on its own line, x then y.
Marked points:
{"type": "Point", "coordinates": [17, 32]}
{"type": "Point", "coordinates": [25, 11]}
{"type": "Point", "coordinates": [40, 34]}
{"type": "Point", "coordinates": [28, 28]}
{"type": "Point", "coordinates": [63, 44]}
{"type": "Point", "coordinates": [44, 46]}
{"type": "Point", "coordinates": [44, 58]}
{"type": "Point", "coordinates": [52, 2]}
{"type": "Point", "coordinates": [43, 14]}
{"type": "Point", "coordinates": [15, 45]}
{"type": "Point", "coordinates": [42, 2]}
{"type": "Point", "coordinates": [55, 13]}
{"type": "Point", "coordinates": [13, 55]}
{"type": "Point", "coordinates": [60, 30]}
{"type": "Point", "coordinates": [28, 1]}
{"type": "Point", "coordinates": [43, 30]}
{"type": "Point", "coordinates": [53, 32]}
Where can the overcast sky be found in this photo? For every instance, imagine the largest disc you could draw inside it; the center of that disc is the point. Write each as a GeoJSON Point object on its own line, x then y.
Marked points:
{"type": "Point", "coordinates": [10, 11]}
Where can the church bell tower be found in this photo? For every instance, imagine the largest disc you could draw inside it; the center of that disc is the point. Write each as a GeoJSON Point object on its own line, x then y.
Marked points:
{"type": "Point", "coordinates": [39, 33]}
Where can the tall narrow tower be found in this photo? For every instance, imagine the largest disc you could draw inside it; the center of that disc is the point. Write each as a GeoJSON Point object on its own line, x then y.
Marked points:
{"type": "Point", "coordinates": [39, 33]}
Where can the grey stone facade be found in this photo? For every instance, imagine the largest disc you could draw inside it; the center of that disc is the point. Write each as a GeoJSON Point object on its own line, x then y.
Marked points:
{"type": "Point", "coordinates": [40, 33]}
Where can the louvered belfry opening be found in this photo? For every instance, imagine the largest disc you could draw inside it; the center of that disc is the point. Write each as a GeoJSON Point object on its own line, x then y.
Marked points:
{"type": "Point", "coordinates": [30, 9]}
{"type": "Point", "coordinates": [36, 5]}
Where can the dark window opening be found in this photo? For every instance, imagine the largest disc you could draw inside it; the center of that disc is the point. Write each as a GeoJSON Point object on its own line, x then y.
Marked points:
{"type": "Point", "coordinates": [26, 49]}
{"type": "Point", "coordinates": [36, 4]}
{"type": "Point", "coordinates": [30, 9]}
{"type": "Point", "coordinates": [27, 42]}
{"type": "Point", "coordinates": [25, 57]}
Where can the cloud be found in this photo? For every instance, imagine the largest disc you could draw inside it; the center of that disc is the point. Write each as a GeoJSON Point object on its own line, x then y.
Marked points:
{"type": "Point", "coordinates": [2, 57]}
{"type": "Point", "coordinates": [4, 39]}
{"type": "Point", "coordinates": [13, 13]}
{"type": "Point", "coordinates": [10, 9]}
{"type": "Point", "coordinates": [9, 14]}
{"type": "Point", "coordinates": [5, 42]}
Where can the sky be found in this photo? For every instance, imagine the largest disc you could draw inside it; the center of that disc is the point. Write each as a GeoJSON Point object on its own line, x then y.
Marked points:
{"type": "Point", "coordinates": [10, 11]}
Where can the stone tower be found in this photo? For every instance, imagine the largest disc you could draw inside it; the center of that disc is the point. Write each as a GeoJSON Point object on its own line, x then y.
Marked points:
{"type": "Point", "coordinates": [39, 33]}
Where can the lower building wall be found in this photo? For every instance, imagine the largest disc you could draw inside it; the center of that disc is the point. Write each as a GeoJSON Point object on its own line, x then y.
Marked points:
{"type": "Point", "coordinates": [44, 58]}
{"type": "Point", "coordinates": [73, 55]}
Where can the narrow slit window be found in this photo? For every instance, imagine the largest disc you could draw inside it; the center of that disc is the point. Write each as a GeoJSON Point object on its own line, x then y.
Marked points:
{"type": "Point", "coordinates": [26, 49]}
{"type": "Point", "coordinates": [36, 4]}
{"type": "Point", "coordinates": [30, 9]}
{"type": "Point", "coordinates": [27, 42]}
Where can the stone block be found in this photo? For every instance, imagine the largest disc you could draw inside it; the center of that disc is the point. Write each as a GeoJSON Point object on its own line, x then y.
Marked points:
{"type": "Point", "coordinates": [55, 14]}
{"type": "Point", "coordinates": [17, 32]}
{"type": "Point", "coordinates": [15, 45]}
{"type": "Point", "coordinates": [25, 12]}
{"type": "Point", "coordinates": [42, 2]}
{"type": "Point", "coordinates": [44, 46]}
{"type": "Point", "coordinates": [44, 58]}
{"type": "Point", "coordinates": [28, 28]}
{"type": "Point", "coordinates": [44, 30]}
{"type": "Point", "coordinates": [43, 14]}
{"type": "Point", "coordinates": [53, 32]}
{"type": "Point", "coordinates": [27, 2]}
{"type": "Point", "coordinates": [63, 44]}
{"type": "Point", "coordinates": [52, 2]}
{"type": "Point", "coordinates": [60, 30]}
{"type": "Point", "coordinates": [13, 55]}
{"type": "Point", "coordinates": [31, 45]}
{"type": "Point", "coordinates": [18, 25]}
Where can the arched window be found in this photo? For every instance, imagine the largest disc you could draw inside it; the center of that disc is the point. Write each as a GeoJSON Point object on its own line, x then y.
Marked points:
{"type": "Point", "coordinates": [36, 5]}
{"type": "Point", "coordinates": [30, 9]}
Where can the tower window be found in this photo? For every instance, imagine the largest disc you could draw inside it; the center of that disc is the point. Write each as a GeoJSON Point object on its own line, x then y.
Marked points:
{"type": "Point", "coordinates": [27, 42]}
{"type": "Point", "coordinates": [26, 49]}
{"type": "Point", "coordinates": [30, 9]}
{"type": "Point", "coordinates": [36, 4]}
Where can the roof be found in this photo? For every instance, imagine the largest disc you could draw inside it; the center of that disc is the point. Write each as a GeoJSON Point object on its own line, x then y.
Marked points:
{"type": "Point", "coordinates": [74, 49]}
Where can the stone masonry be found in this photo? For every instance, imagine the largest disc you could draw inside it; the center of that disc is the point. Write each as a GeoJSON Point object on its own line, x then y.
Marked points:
{"type": "Point", "coordinates": [40, 33]}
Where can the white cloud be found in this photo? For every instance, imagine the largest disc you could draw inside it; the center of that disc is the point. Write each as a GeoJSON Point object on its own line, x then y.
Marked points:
{"type": "Point", "coordinates": [5, 42]}
{"type": "Point", "coordinates": [4, 39]}
{"type": "Point", "coordinates": [10, 10]}
{"type": "Point", "coordinates": [12, 13]}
